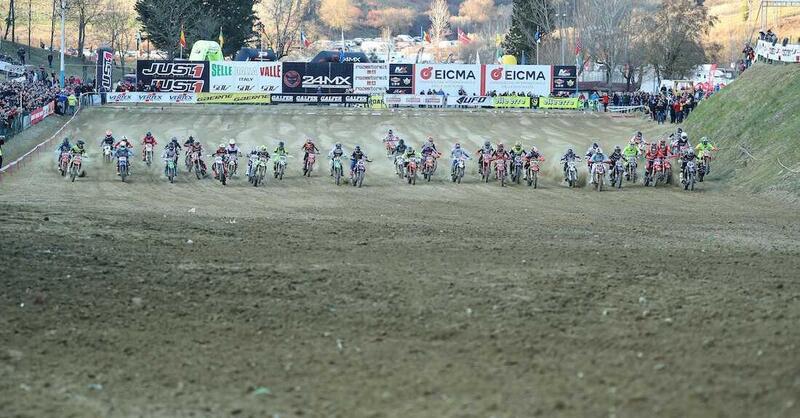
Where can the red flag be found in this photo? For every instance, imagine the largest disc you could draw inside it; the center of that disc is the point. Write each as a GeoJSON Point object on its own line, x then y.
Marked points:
{"type": "Point", "coordinates": [303, 40]}
{"type": "Point", "coordinates": [427, 37]}
{"type": "Point", "coordinates": [183, 39]}
{"type": "Point", "coordinates": [578, 46]}
{"type": "Point", "coordinates": [463, 38]}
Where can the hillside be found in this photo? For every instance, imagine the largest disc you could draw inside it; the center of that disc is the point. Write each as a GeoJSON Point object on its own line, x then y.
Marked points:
{"type": "Point", "coordinates": [754, 123]}
{"type": "Point", "coordinates": [73, 65]}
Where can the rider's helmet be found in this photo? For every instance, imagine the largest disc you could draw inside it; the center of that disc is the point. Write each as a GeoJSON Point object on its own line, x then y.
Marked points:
{"type": "Point", "coordinates": [534, 149]}
{"type": "Point", "coordinates": [148, 133]}
{"type": "Point", "coordinates": [663, 142]}
{"type": "Point", "coordinates": [500, 146]}
{"type": "Point", "coordinates": [684, 135]}
{"type": "Point", "coordinates": [458, 145]}
{"type": "Point", "coordinates": [280, 144]}
{"type": "Point", "coordinates": [410, 150]}
{"type": "Point", "coordinates": [308, 140]}
{"type": "Point", "coordinates": [80, 143]}
{"type": "Point", "coordinates": [704, 140]}
{"type": "Point", "coordinates": [400, 141]}
{"type": "Point", "coordinates": [263, 148]}
{"type": "Point", "coordinates": [222, 145]}
{"type": "Point", "coordinates": [191, 139]}
{"type": "Point", "coordinates": [390, 132]}
{"type": "Point", "coordinates": [108, 132]}
{"type": "Point", "coordinates": [595, 146]}
{"type": "Point", "coordinates": [358, 148]}
{"type": "Point", "coordinates": [570, 151]}
{"type": "Point", "coordinates": [232, 142]}
{"type": "Point", "coordinates": [633, 141]}
{"type": "Point", "coordinates": [680, 130]}
{"type": "Point", "coordinates": [690, 151]}
{"type": "Point", "coordinates": [518, 144]}
{"type": "Point", "coordinates": [617, 148]}
{"type": "Point", "coordinates": [171, 145]}
{"type": "Point", "coordinates": [487, 144]}
{"type": "Point", "coordinates": [638, 134]}
{"type": "Point", "coordinates": [653, 147]}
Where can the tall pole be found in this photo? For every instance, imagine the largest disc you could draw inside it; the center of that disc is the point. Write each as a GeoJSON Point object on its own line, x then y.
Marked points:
{"type": "Point", "coordinates": [29, 30]}
{"type": "Point", "coordinates": [63, 36]}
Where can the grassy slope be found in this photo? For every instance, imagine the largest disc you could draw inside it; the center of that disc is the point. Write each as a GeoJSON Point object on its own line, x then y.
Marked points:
{"type": "Point", "coordinates": [759, 112]}
{"type": "Point", "coordinates": [73, 65]}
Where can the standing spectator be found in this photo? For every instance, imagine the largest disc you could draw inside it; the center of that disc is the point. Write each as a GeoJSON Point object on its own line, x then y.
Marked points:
{"type": "Point", "coordinates": [605, 102]}
{"type": "Point", "coordinates": [50, 58]}
{"type": "Point", "coordinates": [21, 55]}
{"type": "Point", "coordinates": [72, 101]}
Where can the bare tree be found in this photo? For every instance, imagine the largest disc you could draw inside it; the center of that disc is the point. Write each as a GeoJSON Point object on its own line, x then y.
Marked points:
{"type": "Point", "coordinates": [606, 32]}
{"type": "Point", "coordinates": [281, 21]}
{"type": "Point", "coordinates": [475, 12]}
{"type": "Point", "coordinates": [11, 21]}
{"type": "Point", "coordinates": [439, 15]}
{"type": "Point", "coordinates": [393, 18]}
{"type": "Point", "coordinates": [83, 12]}
{"type": "Point", "coordinates": [53, 17]}
{"type": "Point", "coordinates": [339, 14]}
{"type": "Point", "coordinates": [116, 24]}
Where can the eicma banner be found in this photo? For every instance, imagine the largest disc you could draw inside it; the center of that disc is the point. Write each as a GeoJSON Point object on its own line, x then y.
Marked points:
{"type": "Point", "coordinates": [448, 77]}
{"type": "Point", "coordinates": [516, 79]}
{"type": "Point", "coordinates": [245, 77]}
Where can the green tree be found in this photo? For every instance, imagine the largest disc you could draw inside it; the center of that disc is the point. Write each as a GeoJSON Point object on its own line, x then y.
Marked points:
{"type": "Point", "coordinates": [527, 18]}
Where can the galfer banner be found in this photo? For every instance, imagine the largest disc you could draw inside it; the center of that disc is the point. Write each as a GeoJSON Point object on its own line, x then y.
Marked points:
{"type": "Point", "coordinates": [174, 76]}
{"type": "Point", "coordinates": [370, 78]}
{"type": "Point", "coordinates": [469, 101]}
{"type": "Point", "coordinates": [559, 103]}
{"type": "Point", "coordinates": [523, 79]}
{"type": "Point", "coordinates": [134, 97]}
{"type": "Point", "coordinates": [348, 99]}
{"type": "Point", "coordinates": [511, 102]}
{"type": "Point", "coordinates": [245, 77]}
{"type": "Point", "coordinates": [413, 100]}
{"type": "Point", "coordinates": [565, 79]}
{"type": "Point", "coordinates": [448, 77]}
{"type": "Point", "coordinates": [324, 78]}
{"type": "Point", "coordinates": [103, 80]}
{"type": "Point", "coordinates": [233, 98]}
{"type": "Point", "coordinates": [401, 79]}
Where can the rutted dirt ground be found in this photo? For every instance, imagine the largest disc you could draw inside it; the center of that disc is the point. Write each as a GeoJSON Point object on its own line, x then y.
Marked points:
{"type": "Point", "coordinates": [301, 299]}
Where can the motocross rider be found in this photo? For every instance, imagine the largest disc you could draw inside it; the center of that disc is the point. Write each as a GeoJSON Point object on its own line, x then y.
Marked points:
{"type": "Point", "coordinates": [567, 158]}
{"type": "Point", "coordinates": [148, 139]}
{"type": "Point", "coordinates": [336, 151]}
{"type": "Point", "coordinates": [500, 154]}
{"type": "Point", "coordinates": [400, 149]}
{"type": "Point", "coordinates": [122, 150]}
{"type": "Point", "coordinates": [280, 150]}
{"type": "Point", "coordinates": [308, 147]}
{"type": "Point", "coordinates": [703, 148]}
{"type": "Point", "coordinates": [516, 150]}
{"type": "Point", "coordinates": [614, 157]}
{"type": "Point", "coordinates": [486, 151]}
{"type": "Point", "coordinates": [650, 156]}
{"type": "Point", "coordinates": [170, 153]}
{"type": "Point", "coordinates": [107, 140]}
{"type": "Point", "coordinates": [532, 155]}
{"type": "Point", "coordinates": [595, 160]}
{"type": "Point", "coordinates": [354, 157]}
{"type": "Point", "coordinates": [456, 154]}
{"type": "Point", "coordinates": [410, 154]}
{"type": "Point", "coordinates": [64, 147]}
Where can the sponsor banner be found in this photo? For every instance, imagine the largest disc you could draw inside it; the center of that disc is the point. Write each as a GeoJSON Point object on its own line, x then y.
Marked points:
{"type": "Point", "coordinates": [245, 77]}
{"type": "Point", "coordinates": [124, 97]}
{"type": "Point", "coordinates": [174, 76]}
{"type": "Point", "coordinates": [132, 97]}
{"type": "Point", "coordinates": [233, 98]}
{"type": "Point", "coordinates": [376, 101]}
{"type": "Point", "coordinates": [565, 79]}
{"type": "Point", "coordinates": [559, 103]}
{"type": "Point", "coordinates": [370, 78]}
{"type": "Point", "coordinates": [105, 65]}
{"type": "Point", "coordinates": [511, 101]}
{"type": "Point", "coordinates": [350, 99]}
{"type": "Point", "coordinates": [11, 68]}
{"type": "Point", "coordinates": [448, 77]}
{"type": "Point", "coordinates": [469, 101]}
{"type": "Point", "coordinates": [310, 78]}
{"type": "Point", "coordinates": [414, 100]}
{"type": "Point", "coordinates": [523, 79]}
{"type": "Point", "coordinates": [401, 79]}
{"type": "Point", "coordinates": [788, 53]}
{"type": "Point", "coordinates": [40, 113]}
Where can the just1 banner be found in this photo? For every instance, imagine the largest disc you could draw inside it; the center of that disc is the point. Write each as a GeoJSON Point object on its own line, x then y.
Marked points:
{"type": "Point", "coordinates": [347, 99]}
{"type": "Point", "coordinates": [469, 101]}
{"type": "Point", "coordinates": [370, 78]}
{"type": "Point", "coordinates": [174, 76]}
{"type": "Point", "coordinates": [245, 77]}
{"type": "Point", "coordinates": [413, 100]}
{"type": "Point", "coordinates": [522, 102]}
{"type": "Point", "coordinates": [519, 79]}
{"type": "Point", "coordinates": [401, 79]}
{"type": "Point", "coordinates": [105, 65]}
{"type": "Point", "coordinates": [559, 103]}
{"type": "Point", "coordinates": [233, 98]}
{"type": "Point", "coordinates": [449, 78]}
{"type": "Point", "coordinates": [310, 78]}
{"type": "Point", "coordinates": [565, 79]}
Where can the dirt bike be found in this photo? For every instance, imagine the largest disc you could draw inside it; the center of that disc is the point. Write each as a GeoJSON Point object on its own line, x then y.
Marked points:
{"type": "Point", "coordinates": [338, 170]}
{"type": "Point", "coordinates": [391, 145]}
{"type": "Point", "coordinates": [411, 171]}
{"type": "Point", "coordinates": [280, 167]}
{"type": "Point", "coordinates": [309, 166]}
{"type": "Point", "coordinates": [170, 170]}
{"type": "Point", "coordinates": [630, 170]}
{"type": "Point", "coordinates": [658, 175]}
{"type": "Point", "coordinates": [122, 165]}
{"type": "Point", "coordinates": [148, 154]}
{"type": "Point", "coordinates": [572, 174]}
{"type": "Point", "coordinates": [703, 169]}
{"type": "Point", "coordinates": [532, 176]}
{"type": "Point", "coordinates": [187, 161]}
{"type": "Point", "coordinates": [616, 173]}
{"type": "Point", "coordinates": [107, 153]}
{"type": "Point", "coordinates": [251, 167]}
{"type": "Point", "coordinates": [428, 167]}
{"type": "Point", "coordinates": [75, 167]}
{"type": "Point", "coordinates": [516, 171]}
{"type": "Point", "coordinates": [457, 173]}
{"type": "Point", "coordinates": [259, 171]}
{"type": "Point", "coordinates": [399, 166]}
{"type": "Point", "coordinates": [667, 168]}
{"type": "Point", "coordinates": [599, 175]}
{"type": "Point", "coordinates": [197, 163]}
{"type": "Point", "coordinates": [63, 163]}
{"type": "Point", "coordinates": [233, 164]}
{"type": "Point", "coordinates": [219, 169]}
{"type": "Point", "coordinates": [359, 172]}
{"type": "Point", "coordinates": [486, 167]}
{"type": "Point", "coordinates": [500, 172]}
{"type": "Point", "coordinates": [689, 175]}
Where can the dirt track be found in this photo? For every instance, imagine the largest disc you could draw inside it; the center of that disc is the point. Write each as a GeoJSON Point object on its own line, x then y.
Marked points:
{"type": "Point", "coordinates": [436, 300]}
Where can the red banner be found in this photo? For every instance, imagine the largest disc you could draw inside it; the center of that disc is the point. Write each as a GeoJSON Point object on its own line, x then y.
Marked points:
{"type": "Point", "coordinates": [40, 113]}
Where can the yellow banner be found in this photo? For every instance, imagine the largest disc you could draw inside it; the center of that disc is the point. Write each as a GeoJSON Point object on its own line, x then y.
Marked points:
{"type": "Point", "coordinates": [512, 101]}
{"type": "Point", "coordinates": [559, 103]}
{"type": "Point", "coordinates": [376, 102]}
{"type": "Point", "coordinates": [233, 98]}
